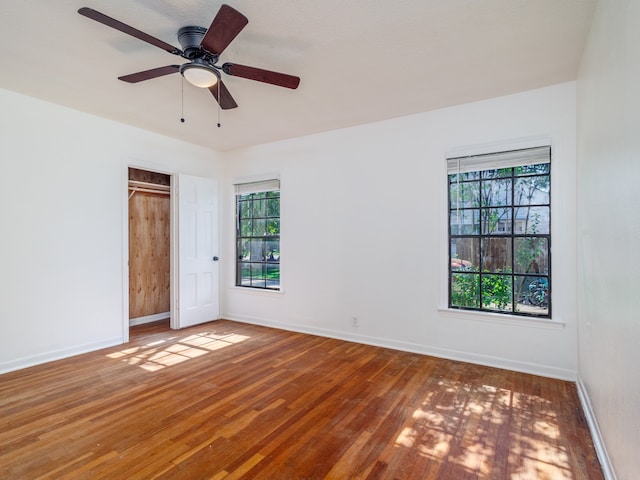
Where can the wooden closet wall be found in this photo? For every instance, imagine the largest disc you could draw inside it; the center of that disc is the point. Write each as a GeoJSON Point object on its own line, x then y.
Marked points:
{"type": "Point", "coordinates": [149, 234]}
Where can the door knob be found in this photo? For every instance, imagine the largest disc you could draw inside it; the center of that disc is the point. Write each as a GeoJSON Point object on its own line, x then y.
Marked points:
{"type": "Point", "coordinates": [215, 259]}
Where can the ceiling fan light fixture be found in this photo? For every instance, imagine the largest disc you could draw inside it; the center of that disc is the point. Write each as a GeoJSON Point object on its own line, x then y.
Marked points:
{"type": "Point", "coordinates": [200, 74]}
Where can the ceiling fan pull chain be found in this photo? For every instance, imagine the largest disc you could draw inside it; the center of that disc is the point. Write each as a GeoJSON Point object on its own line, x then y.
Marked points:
{"type": "Point", "coordinates": [219, 97]}
{"type": "Point", "coordinates": [182, 101]}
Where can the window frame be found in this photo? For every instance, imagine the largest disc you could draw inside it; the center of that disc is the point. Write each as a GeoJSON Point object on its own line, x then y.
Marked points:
{"type": "Point", "coordinates": [493, 162]}
{"type": "Point", "coordinates": [258, 190]}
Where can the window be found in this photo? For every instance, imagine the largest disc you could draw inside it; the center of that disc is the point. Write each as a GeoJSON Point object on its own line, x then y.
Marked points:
{"type": "Point", "coordinates": [258, 234]}
{"type": "Point", "coordinates": [499, 232]}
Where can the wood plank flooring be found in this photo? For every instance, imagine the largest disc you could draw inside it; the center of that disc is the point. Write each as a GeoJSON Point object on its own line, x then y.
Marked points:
{"type": "Point", "coordinates": [227, 400]}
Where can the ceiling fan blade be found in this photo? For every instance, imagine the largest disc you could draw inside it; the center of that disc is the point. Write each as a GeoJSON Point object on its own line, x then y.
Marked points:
{"type": "Point", "coordinates": [123, 27]}
{"type": "Point", "coordinates": [149, 74]}
{"type": "Point", "coordinates": [226, 101]}
{"type": "Point", "coordinates": [225, 27]}
{"type": "Point", "coordinates": [260, 75]}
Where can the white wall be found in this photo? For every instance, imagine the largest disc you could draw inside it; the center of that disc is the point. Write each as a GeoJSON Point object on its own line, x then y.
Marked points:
{"type": "Point", "coordinates": [62, 203]}
{"type": "Point", "coordinates": [609, 231]}
{"type": "Point", "coordinates": [364, 233]}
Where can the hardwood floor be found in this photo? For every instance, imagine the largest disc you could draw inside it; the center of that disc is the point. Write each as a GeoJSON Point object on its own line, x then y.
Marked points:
{"type": "Point", "coordinates": [229, 400]}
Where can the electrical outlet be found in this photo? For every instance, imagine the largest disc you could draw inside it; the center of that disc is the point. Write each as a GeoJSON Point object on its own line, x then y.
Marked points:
{"type": "Point", "coordinates": [354, 321]}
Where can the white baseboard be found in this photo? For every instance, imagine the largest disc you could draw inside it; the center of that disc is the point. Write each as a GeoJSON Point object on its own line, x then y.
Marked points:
{"type": "Point", "coordinates": [598, 442]}
{"type": "Point", "coordinates": [53, 355]}
{"type": "Point", "coordinates": [487, 360]}
{"type": "Point", "coordinates": [149, 318]}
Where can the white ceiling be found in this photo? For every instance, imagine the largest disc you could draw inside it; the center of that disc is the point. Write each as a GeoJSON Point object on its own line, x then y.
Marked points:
{"type": "Point", "coordinates": [360, 61]}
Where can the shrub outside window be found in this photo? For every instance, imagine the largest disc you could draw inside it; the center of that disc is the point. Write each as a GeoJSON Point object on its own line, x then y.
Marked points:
{"type": "Point", "coordinates": [499, 232]}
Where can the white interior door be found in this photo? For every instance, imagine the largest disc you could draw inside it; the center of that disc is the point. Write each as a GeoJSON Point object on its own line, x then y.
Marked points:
{"type": "Point", "coordinates": [198, 296]}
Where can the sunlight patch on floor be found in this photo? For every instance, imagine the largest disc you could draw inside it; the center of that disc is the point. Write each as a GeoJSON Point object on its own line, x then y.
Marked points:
{"type": "Point", "coordinates": [153, 356]}
{"type": "Point", "coordinates": [454, 423]}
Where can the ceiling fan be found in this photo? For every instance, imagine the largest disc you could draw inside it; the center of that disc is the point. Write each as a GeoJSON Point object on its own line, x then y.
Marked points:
{"type": "Point", "coordinates": [202, 47]}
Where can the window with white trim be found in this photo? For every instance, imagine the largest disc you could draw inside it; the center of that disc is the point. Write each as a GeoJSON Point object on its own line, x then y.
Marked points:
{"type": "Point", "coordinates": [258, 234]}
{"type": "Point", "coordinates": [500, 232]}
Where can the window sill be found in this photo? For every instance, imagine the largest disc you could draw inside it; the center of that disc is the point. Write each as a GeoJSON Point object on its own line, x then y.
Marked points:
{"type": "Point", "coordinates": [501, 319]}
{"type": "Point", "coordinates": [256, 291]}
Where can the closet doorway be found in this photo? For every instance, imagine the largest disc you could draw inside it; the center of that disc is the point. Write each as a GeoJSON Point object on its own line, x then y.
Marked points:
{"type": "Point", "coordinates": [149, 246]}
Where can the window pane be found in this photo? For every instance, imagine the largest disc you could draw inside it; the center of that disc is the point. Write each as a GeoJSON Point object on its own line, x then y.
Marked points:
{"type": "Point", "coordinates": [465, 254]}
{"type": "Point", "coordinates": [467, 193]}
{"type": "Point", "coordinates": [272, 250]}
{"type": "Point", "coordinates": [532, 294]}
{"type": "Point", "coordinates": [497, 173]}
{"type": "Point", "coordinates": [245, 228]}
{"type": "Point", "coordinates": [496, 255]}
{"type": "Point", "coordinates": [244, 249]}
{"type": "Point", "coordinates": [258, 275]}
{"type": "Point", "coordinates": [533, 219]}
{"type": "Point", "coordinates": [244, 274]}
{"type": "Point", "coordinates": [464, 176]}
{"type": "Point", "coordinates": [465, 290]}
{"type": "Point", "coordinates": [273, 276]}
{"type": "Point", "coordinates": [273, 207]}
{"type": "Point", "coordinates": [259, 208]}
{"type": "Point", "coordinates": [257, 249]}
{"type": "Point", "coordinates": [496, 193]}
{"type": "Point", "coordinates": [245, 209]}
{"type": "Point", "coordinates": [259, 227]}
{"type": "Point", "coordinates": [496, 292]}
{"type": "Point", "coordinates": [532, 190]}
{"type": "Point", "coordinates": [273, 226]}
{"type": "Point", "coordinates": [496, 221]}
{"type": "Point", "coordinates": [532, 169]}
{"type": "Point", "coordinates": [531, 255]}
{"type": "Point", "coordinates": [465, 222]}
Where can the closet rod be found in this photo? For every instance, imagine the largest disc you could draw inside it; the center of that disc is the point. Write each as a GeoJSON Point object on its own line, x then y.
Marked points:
{"type": "Point", "coordinates": [148, 190]}
{"type": "Point", "coordinates": [150, 186]}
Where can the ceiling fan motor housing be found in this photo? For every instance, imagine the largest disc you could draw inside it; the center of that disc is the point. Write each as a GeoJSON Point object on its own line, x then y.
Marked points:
{"type": "Point", "coordinates": [190, 38]}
